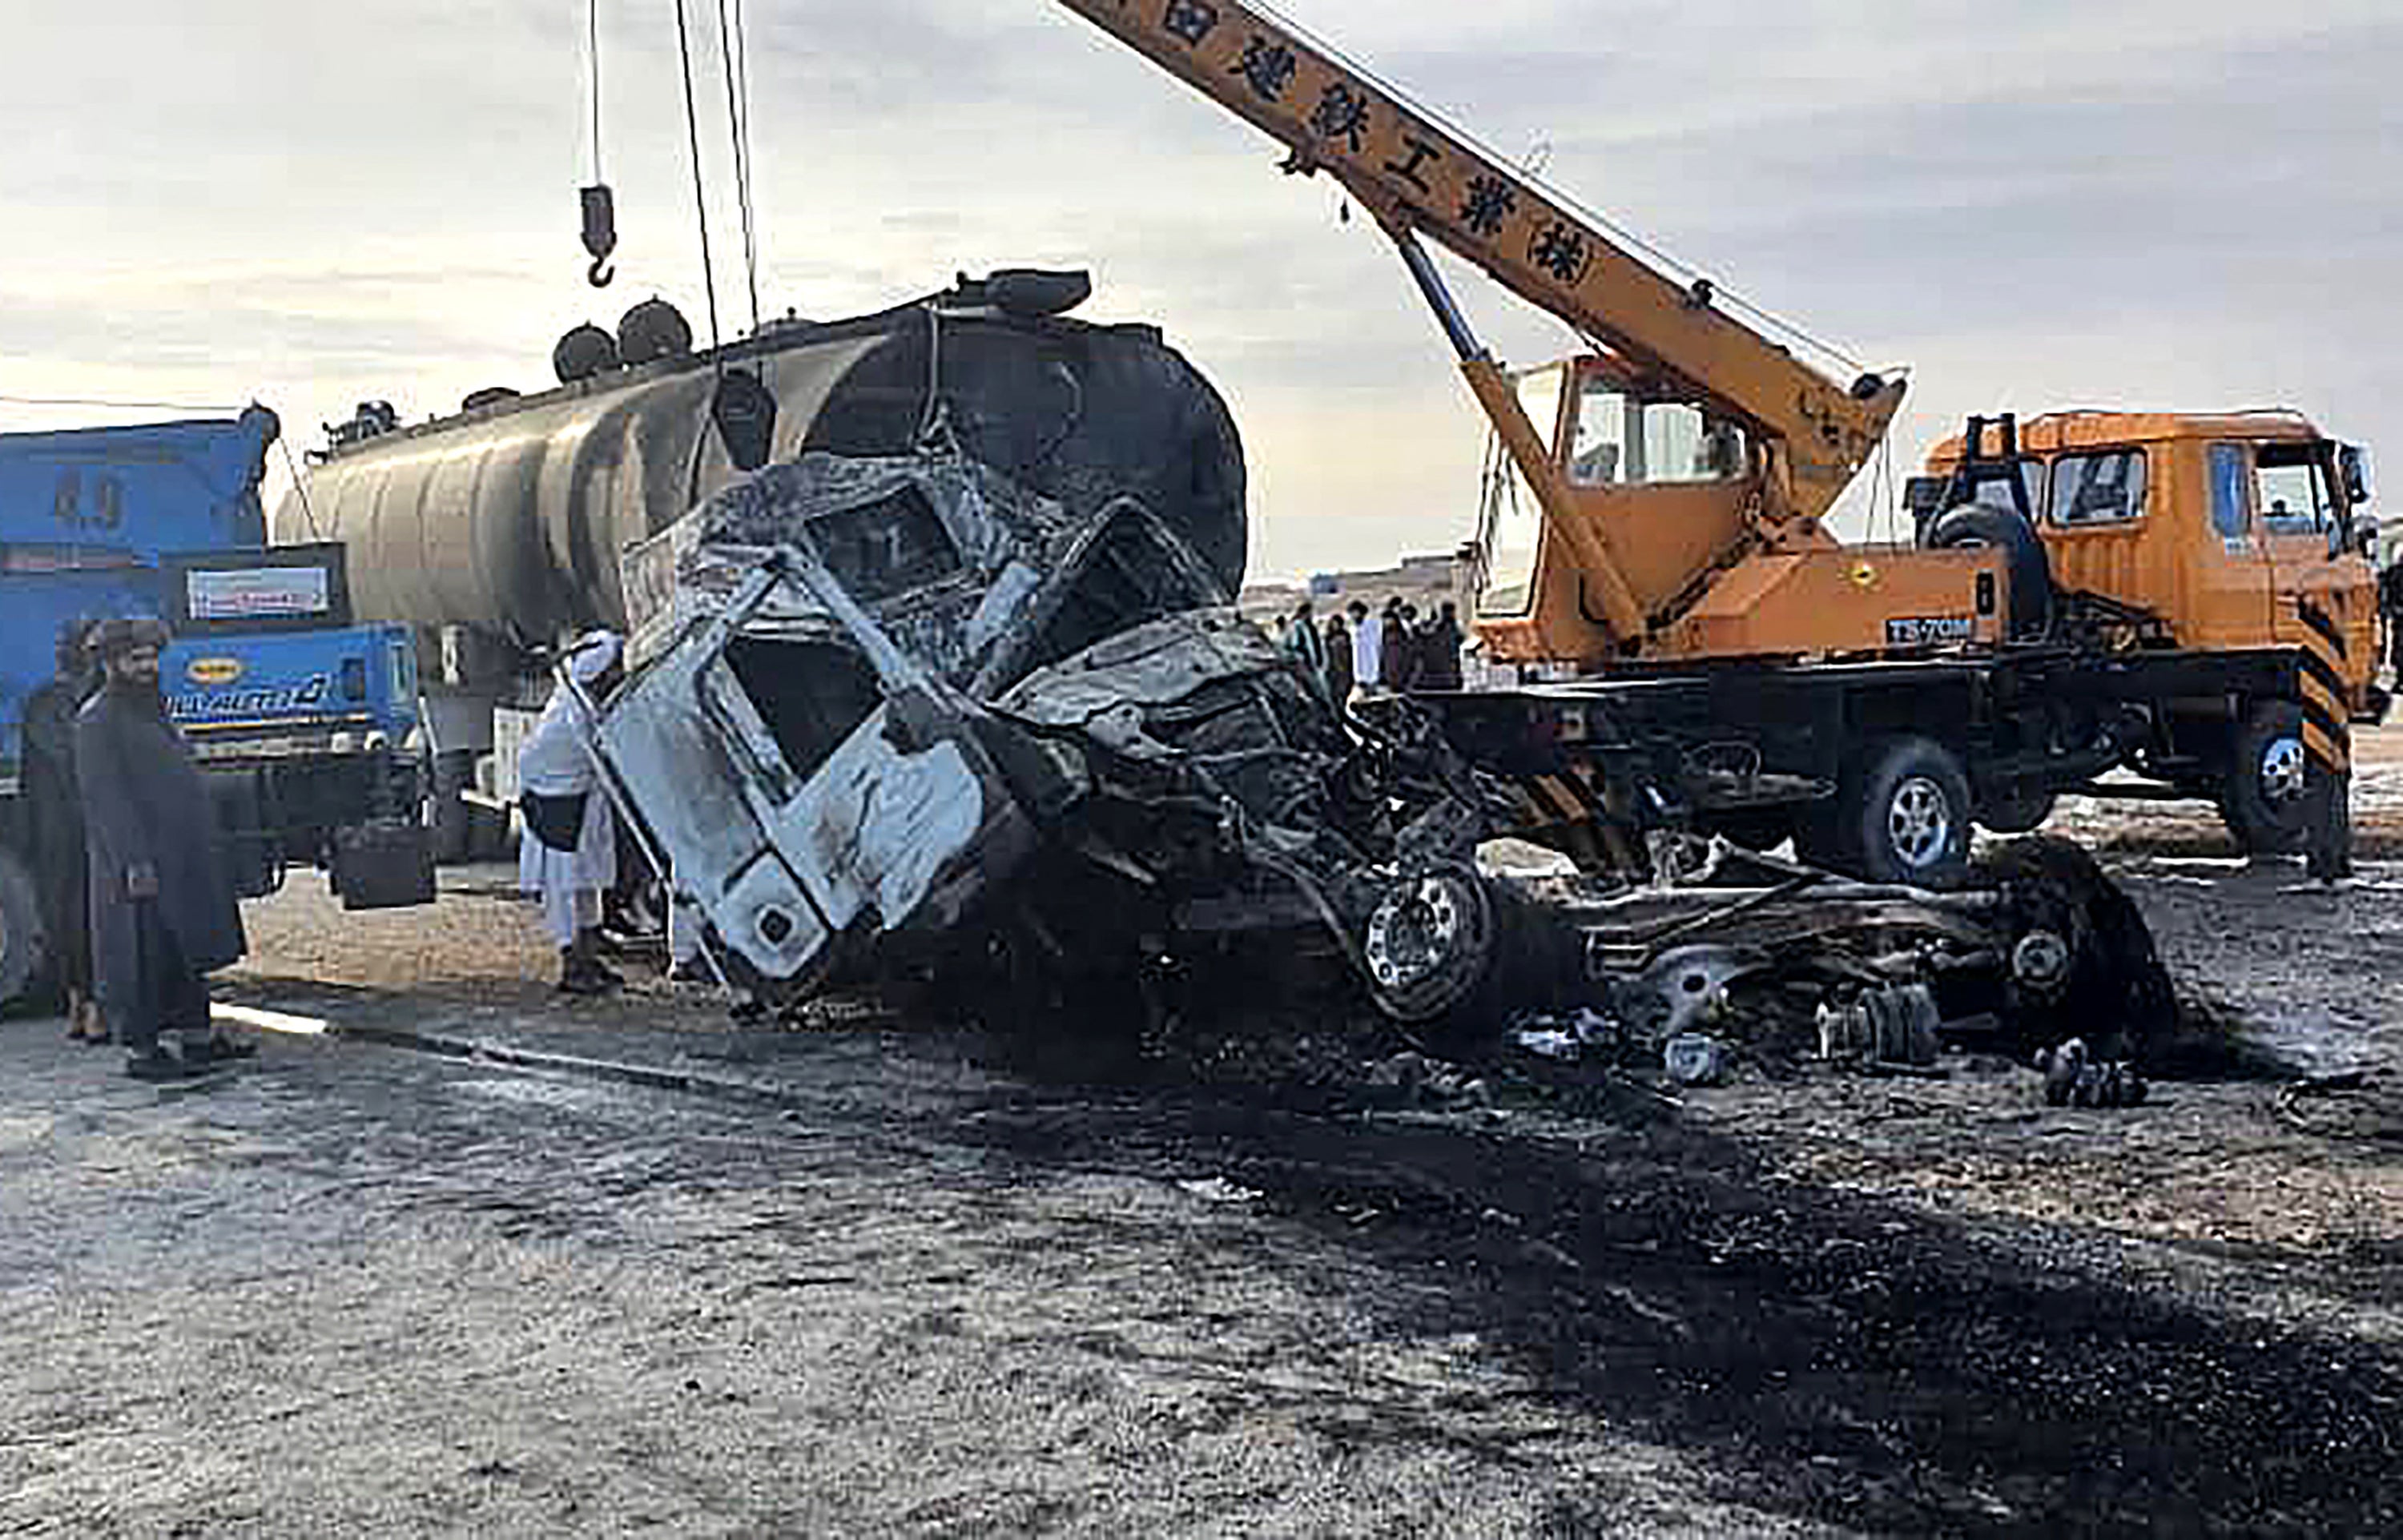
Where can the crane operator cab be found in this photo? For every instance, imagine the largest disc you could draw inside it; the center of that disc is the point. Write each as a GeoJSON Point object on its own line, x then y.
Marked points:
{"type": "Point", "coordinates": [1663, 478]}
{"type": "Point", "coordinates": [1626, 475]}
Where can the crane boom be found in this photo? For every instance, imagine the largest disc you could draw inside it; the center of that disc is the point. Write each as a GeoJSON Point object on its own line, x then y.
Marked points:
{"type": "Point", "coordinates": [1417, 177]}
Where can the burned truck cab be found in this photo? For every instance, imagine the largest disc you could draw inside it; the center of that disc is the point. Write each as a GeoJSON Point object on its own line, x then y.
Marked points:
{"type": "Point", "coordinates": [805, 741]}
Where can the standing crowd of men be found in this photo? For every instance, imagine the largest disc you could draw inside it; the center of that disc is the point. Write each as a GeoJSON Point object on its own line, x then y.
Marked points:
{"type": "Point", "coordinates": [1395, 649]}
{"type": "Point", "coordinates": [135, 900]}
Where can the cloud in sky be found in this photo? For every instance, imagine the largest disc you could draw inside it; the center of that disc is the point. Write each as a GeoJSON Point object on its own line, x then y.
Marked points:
{"type": "Point", "coordinates": [2072, 203]}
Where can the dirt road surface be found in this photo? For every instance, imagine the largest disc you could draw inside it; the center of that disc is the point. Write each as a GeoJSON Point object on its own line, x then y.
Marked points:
{"type": "Point", "coordinates": [919, 1278]}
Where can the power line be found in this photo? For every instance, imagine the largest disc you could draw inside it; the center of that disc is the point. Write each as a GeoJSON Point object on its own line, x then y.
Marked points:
{"type": "Point", "coordinates": [118, 405]}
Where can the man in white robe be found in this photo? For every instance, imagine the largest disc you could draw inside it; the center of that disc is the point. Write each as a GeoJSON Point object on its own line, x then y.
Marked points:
{"type": "Point", "coordinates": [568, 853]}
{"type": "Point", "coordinates": [1367, 649]}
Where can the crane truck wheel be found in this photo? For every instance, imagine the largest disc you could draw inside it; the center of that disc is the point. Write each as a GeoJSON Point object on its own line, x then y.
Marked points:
{"type": "Point", "coordinates": [2264, 791]}
{"type": "Point", "coordinates": [1975, 526]}
{"type": "Point", "coordinates": [1906, 813]}
{"type": "Point", "coordinates": [24, 946]}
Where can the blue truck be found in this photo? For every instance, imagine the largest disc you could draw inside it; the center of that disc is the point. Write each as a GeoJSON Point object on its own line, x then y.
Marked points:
{"type": "Point", "coordinates": [306, 724]}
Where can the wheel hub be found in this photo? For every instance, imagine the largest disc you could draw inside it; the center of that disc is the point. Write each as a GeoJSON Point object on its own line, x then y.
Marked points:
{"type": "Point", "coordinates": [2283, 770]}
{"type": "Point", "coordinates": [1426, 944]}
{"type": "Point", "coordinates": [1411, 934]}
{"type": "Point", "coordinates": [1919, 821]}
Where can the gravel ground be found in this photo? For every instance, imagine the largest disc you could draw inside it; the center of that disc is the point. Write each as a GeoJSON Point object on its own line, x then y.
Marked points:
{"type": "Point", "coordinates": [948, 1287]}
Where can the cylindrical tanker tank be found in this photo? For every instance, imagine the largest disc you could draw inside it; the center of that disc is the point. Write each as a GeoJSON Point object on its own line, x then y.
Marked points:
{"type": "Point", "coordinates": [511, 519]}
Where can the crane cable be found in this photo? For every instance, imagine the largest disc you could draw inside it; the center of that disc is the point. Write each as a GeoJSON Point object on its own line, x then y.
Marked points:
{"type": "Point", "coordinates": [299, 486]}
{"type": "Point", "coordinates": [734, 52]}
{"type": "Point", "coordinates": [597, 205]}
{"type": "Point", "coordinates": [593, 57]}
{"type": "Point", "coordinates": [699, 196]}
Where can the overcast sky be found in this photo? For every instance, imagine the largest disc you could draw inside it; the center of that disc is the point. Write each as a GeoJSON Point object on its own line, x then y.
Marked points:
{"type": "Point", "coordinates": [2055, 202]}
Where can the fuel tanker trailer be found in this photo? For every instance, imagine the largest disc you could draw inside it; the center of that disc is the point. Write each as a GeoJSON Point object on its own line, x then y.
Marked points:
{"type": "Point", "coordinates": [497, 533]}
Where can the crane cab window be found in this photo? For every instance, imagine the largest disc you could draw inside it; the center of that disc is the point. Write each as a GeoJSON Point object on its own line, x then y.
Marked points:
{"type": "Point", "coordinates": [2231, 493]}
{"type": "Point", "coordinates": [2289, 489]}
{"type": "Point", "coordinates": [1599, 436]}
{"type": "Point", "coordinates": [1510, 531]}
{"type": "Point", "coordinates": [2098, 489]}
{"type": "Point", "coordinates": [1617, 439]}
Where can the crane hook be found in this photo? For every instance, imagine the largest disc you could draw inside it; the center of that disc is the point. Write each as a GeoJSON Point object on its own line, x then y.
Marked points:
{"type": "Point", "coordinates": [600, 233]}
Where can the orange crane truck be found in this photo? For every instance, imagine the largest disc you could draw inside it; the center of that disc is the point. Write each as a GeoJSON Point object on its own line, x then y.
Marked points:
{"type": "Point", "coordinates": [2184, 598]}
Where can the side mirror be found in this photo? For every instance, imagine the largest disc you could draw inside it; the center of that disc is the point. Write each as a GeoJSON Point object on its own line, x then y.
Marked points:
{"type": "Point", "coordinates": [2365, 535]}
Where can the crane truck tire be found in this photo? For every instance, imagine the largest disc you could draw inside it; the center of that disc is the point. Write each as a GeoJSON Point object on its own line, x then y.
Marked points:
{"type": "Point", "coordinates": [1905, 814]}
{"type": "Point", "coordinates": [1976, 526]}
{"type": "Point", "coordinates": [24, 946]}
{"type": "Point", "coordinates": [2263, 794]}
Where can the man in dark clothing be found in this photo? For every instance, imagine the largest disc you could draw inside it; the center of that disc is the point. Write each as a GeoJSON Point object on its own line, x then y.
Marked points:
{"type": "Point", "coordinates": [162, 912]}
{"type": "Point", "coordinates": [1339, 660]}
{"type": "Point", "coordinates": [1439, 650]}
{"type": "Point", "coordinates": [1394, 649]}
{"type": "Point", "coordinates": [54, 811]}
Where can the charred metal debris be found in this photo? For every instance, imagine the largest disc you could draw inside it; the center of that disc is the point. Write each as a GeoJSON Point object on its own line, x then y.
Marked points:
{"type": "Point", "coordinates": [902, 713]}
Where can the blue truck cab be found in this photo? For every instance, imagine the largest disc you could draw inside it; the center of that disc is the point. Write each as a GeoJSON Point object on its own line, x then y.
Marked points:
{"type": "Point", "coordinates": [306, 724]}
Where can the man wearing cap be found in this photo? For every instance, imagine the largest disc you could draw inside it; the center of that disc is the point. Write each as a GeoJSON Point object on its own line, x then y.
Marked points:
{"type": "Point", "coordinates": [163, 913]}
{"type": "Point", "coordinates": [568, 853]}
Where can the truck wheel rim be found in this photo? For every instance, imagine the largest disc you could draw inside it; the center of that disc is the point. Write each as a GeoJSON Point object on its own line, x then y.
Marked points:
{"type": "Point", "coordinates": [2282, 770]}
{"type": "Point", "coordinates": [1919, 821]}
{"type": "Point", "coordinates": [1425, 944]}
{"type": "Point", "coordinates": [1412, 933]}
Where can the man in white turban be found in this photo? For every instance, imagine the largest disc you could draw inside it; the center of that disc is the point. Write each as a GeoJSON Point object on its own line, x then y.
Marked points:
{"type": "Point", "coordinates": [568, 853]}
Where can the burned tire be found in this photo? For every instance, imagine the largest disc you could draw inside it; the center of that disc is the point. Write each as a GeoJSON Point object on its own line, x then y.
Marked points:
{"type": "Point", "coordinates": [2264, 796]}
{"type": "Point", "coordinates": [1458, 952]}
{"type": "Point", "coordinates": [1906, 814]}
{"type": "Point", "coordinates": [2108, 985]}
{"type": "Point", "coordinates": [25, 941]}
